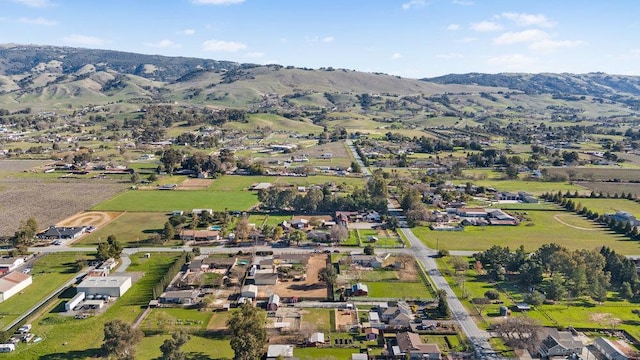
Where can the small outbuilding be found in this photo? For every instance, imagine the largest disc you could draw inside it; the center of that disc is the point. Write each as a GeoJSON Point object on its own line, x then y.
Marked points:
{"type": "Point", "coordinates": [249, 291]}
{"type": "Point", "coordinates": [273, 303]}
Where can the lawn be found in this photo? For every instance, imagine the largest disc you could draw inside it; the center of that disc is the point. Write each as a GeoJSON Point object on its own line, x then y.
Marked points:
{"type": "Point", "coordinates": [171, 319]}
{"type": "Point", "coordinates": [273, 220]}
{"type": "Point", "coordinates": [198, 347]}
{"type": "Point", "coordinates": [318, 318]}
{"type": "Point", "coordinates": [560, 227]}
{"type": "Point", "coordinates": [69, 338]}
{"type": "Point", "coordinates": [610, 206]}
{"type": "Point", "coordinates": [168, 200]}
{"type": "Point", "coordinates": [324, 353]}
{"type": "Point", "coordinates": [49, 273]}
{"type": "Point", "coordinates": [399, 290]}
{"type": "Point", "coordinates": [129, 227]}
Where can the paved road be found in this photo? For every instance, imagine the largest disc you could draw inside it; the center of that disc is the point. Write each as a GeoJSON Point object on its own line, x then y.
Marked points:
{"type": "Point", "coordinates": [479, 338]}
{"type": "Point", "coordinates": [365, 170]}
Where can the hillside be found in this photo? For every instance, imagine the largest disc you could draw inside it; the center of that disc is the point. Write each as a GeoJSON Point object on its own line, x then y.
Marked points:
{"type": "Point", "coordinates": [593, 84]}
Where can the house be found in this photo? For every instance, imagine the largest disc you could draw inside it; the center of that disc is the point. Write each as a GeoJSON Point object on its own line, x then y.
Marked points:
{"type": "Point", "coordinates": [13, 283]}
{"type": "Point", "coordinates": [374, 319]}
{"type": "Point", "coordinates": [249, 291]}
{"type": "Point", "coordinates": [61, 233]}
{"type": "Point", "coordinates": [273, 303]}
{"type": "Point", "coordinates": [359, 289]}
{"type": "Point", "coordinates": [559, 343]}
{"type": "Point", "coordinates": [177, 213]}
{"type": "Point", "coordinates": [300, 223]}
{"type": "Point", "coordinates": [8, 264]}
{"type": "Point", "coordinates": [279, 352]}
{"type": "Point", "coordinates": [316, 339]}
{"type": "Point", "coordinates": [399, 315]}
{"type": "Point", "coordinates": [611, 350]}
{"type": "Point", "coordinates": [371, 333]}
{"type": "Point", "coordinates": [301, 259]}
{"type": "Point", "coordinates": [199, 235]}
{"type": "Point", "coordinates": [372, 216]}
{"type": "Point", "coordinates": [184, 297]}
{"type": "Point", "coordinates": [263, 277]}
{"type": "Point", "coordinates": [411, 347]}
{"type": "Point", "coordinates": [359, 357]}
{"type": "Point", "coordinates": [624, 217]}
{"type": "Point", "coordinates": [371, 261]}
{"type": "Point", "coordinates": [261, 186]}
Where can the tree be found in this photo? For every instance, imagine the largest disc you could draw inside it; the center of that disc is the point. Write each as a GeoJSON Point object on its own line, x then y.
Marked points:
{"type": "Point", "coordinates": [443, 306]}
{"type": "Point", "coordinates": [556, 289]}
{"type": "Point", "coordinates": [115, 248]}
{"type": "Point", "coordinates": [492, 295]}
{"type": "Point", "coordinates": [459, 263]}
{"type": "Point", "coordinates": [135, 177]}
{"type": "Point", "coordinates": [369, 250]}
{"type": "Point", "coordinates": [242, 229]}
{"type": "Point", "coordinates": [169, 231]}
{"type": "Point", "coordinates": [519, 332]}
{"type": "Point", "coordinates": [534, 298]}
{"type": "Point", "coordinates": [297, 236]}
{"type": "Point", "coordinates": [339, 232]}
{"type": "Point", "coordinates": [120, 340]}
{"type": "Point", "coordinates": [278, 231]}
{"type": "Point", "coordinates": [248, 333]}
{"type": "Point", "coordinates": [626, 292]}
{"type": "Point", "coordinates": [170, 159]}
{"type": "Point", "coordinates": [328, 275]}
{"type": "Point", "coordinates": [103, 251]}
{"type": "Point", "coordinates": [171, 347]}
{"type": "Point", "coordinates": [355, 167]}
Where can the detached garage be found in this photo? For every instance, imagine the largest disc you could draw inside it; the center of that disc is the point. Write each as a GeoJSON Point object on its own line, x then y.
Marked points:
{"type": "Point", "coordinates": [13, 283]}
{"type": "Point", "coordinates": [114, 286]}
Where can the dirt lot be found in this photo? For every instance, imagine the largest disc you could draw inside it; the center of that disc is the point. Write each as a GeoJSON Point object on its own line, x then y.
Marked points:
{"type": "Point", "coordinates": [345, 319]}
{"type": "Point", "coordinates": [95, 218]}
{"type": "Point", "coordinates": [49, 201]}
{"type": "Point", "coordinates": [310, 288]}
{"type": "Point", "coordinates": [194, 184]}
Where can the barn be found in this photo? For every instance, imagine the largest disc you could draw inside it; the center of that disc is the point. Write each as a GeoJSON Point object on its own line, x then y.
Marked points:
{"type": "Point", "coordinates": [114, 286]}
{"type": "Point", "coordinates": [13, 283]}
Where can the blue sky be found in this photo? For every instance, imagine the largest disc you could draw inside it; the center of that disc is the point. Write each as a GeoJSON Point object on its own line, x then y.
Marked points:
{"type": "Point", "coordinates": [409, 38]}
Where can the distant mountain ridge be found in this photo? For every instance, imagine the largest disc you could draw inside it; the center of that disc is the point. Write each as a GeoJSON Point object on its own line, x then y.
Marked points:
{"type": "Point", "coordinates": [16, 59]}
{"type": "Point", "coordinates": [593, 84]}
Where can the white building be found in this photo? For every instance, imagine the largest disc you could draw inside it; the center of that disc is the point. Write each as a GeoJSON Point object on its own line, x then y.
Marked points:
{"type": "Point", "coordinates": [249, 291]}
{"type": "Point", "coordinates": [69, 305]}
{"type": "Point", "coordinates": [276, 351]}
{"type": "Point", "coordinates": [9, 264]}
{"type": "Point", "coordinates": [13, 283]}
{"type": "Point", "coordinates": [114, 286]}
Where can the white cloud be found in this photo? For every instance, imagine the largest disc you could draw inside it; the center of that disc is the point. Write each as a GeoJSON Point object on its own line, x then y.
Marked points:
{"type": "Point", "coordinates": [486, 26]}
{"type": "Point", "coordinates": [549, 44]}
{"type": "Point", "coordinates": [517, 62]}
{"type": "Point", "coordinates": [38, 21]}
{"type": "Point", "coordinates": [523, 19]}
{"type": "Point", "coordinates": [453, 27]}
{"type": "Point", "coordinates": [520, 37]}
{"type": "Point", "coordinates": [217, 2]}
{"type": "Point", "coordinates": [449, 56]}
{"type": "Point", "coordinates": [462, 2]}
{"type": "Point", "coordinates": [221, 45]}
{"type": "Point", "coordinates": [413, 4]}
{"type": "Point", "coordinates": [396, 56]}
{"type": "Point", "coordinates": [162, 44]}
{"type": "Point", "coordinates": [327, 39]}
{"type": "Point", "coordinates": [84, 40]}
{"type": "Point", "coordinates": [187, 32]}
{"type": "Point", "coordinates": [255, 55]}
{"type": "Point", "coordinates": [35, 3]}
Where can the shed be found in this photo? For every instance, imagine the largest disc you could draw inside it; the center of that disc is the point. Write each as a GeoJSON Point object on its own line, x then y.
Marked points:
{"type": "Point", "coordinates": [273, 303]}
{"type": "Point", "coordinates": [359, 357]}
{"type": "Point", "coordinates": [316, 338]}
{"type": "Point", "coordinates": [275, 351]}
{"type": "Point", "coordinates": [249, 291]}
{"type": "Point", "coordinates": [69, 305]}
{"type": "Point", "coordinates": [13, 283]}
{"type": "Point", "coordinates": [359, 289]}
{"type": "Point", "coordinates": [523, 307]}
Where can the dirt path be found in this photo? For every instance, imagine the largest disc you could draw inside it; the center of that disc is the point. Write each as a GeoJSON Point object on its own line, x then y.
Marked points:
{"type": "Point", "coordinates": [86, 218]}
{"type": "Point", "coordinates": [557, 218]}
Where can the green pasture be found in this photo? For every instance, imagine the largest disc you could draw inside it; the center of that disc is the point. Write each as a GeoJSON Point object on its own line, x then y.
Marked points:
{"type": "Point", "coordinates": [128, 228]}
{"type": "Point", "coordinates": [596, 173]}
{"type": "Point", "coordinates": [67, 338]}
{"type": "Point", "coordinates": [198, 347]}
{"type": "Point", "coordinates": [611, 187]}
{"type": "Point", "coordinates": [311, 353]}
{"type": "Point", "coordinates": [49, 272]}
{"type": "Point", "coordinates": [399, 290]}
{"type": "Point", "coordinates": [172, 319]}
{"type": "Point", "coordinates": [610, 206]}
{"type": "Point", "coordinates": [532, 187]}
{"type": "Point", "coordinates": [318, 318]}
{"type": "Point", "coordinates": [560, 227]}
{"type": "Point", "coordinates": [273, 220]}
{"type": "Point", "coordinates": [168, 200]}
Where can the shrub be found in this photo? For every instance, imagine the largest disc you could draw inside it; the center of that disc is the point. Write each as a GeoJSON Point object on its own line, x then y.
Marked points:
{"type": "Point", "coordinates": [492, 295]}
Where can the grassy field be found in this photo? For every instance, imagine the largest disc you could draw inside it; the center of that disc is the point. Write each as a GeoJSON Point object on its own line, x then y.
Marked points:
{"type": "Point", "coordinates": [532, 187]}
{"type": "Point", "coordinates": [239, 183]}
{"type": "Point", "coordinates": [400, 290]}
{"type": "Point", "coordinates": [611, 187]}
{"type": "Point", "coordinates": [163, 200]}
{"type": "Point", "coordinates": [312, 353]}
{"type": "Point", "coordinates": [128, 228]}
{"type": "Point", "coordinates": [69, 338]}
{"type": "Point", "coordinates": [610, 206]}
{"type": "Point", "coordinates": [198, 347]}
{"type": "Point", "coordinates": [172, 319]}
{"type": "Point", "coordinates": [49, 272]}
{"type": "Point", "coordinates": [319, 318]}
{"type": "Point", "coordinates": [596, 173]}
{"type": "Point", "coordinates": [566, 229]}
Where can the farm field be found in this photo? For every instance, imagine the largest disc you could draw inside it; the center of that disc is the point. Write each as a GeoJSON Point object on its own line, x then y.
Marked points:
{"type": "Point", "coordinates": [532, 187]}
{"type": "Point", "coordinates": [596, 173]}
{"type": "Point", "coordinates": [49, 272]}
{"type": "Point", "coordinates": [399, 290]}
{"type": "Point", "coordinates": [563, 228]}
{"type": "Point", "coordinates": [128, 228]}
{"type": "Point", "coordinates": [610, 206]}
{"type": "Point", "coordinates": [239, 183]}
{"type": "Point", "coordinates": [611, 187]}
{"type": "Point", "coordinates": [168, 200]}
{"type": "Point", "coordinates": [55, 199]}
{"type": "Point", "coordinates": [173, 319]}
{"type": "Point", "coordinates": [65, 337]}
